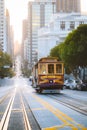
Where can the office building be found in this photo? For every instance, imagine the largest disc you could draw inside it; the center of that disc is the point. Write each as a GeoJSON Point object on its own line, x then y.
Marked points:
{"type": "Point", "coordinates": [24, 36]}
{"type": "Point", "coordinates": [3, 46]}
{"type": "Point", "coordinates": [11, 42]}
{"type": "Point", "coordinates": [68, 6]}
{"type": "Point", "coordinates": [59, 27]}
{"type": "Point", "coordinates": [8, 32]}
{"type": "Point", "coordinates": [39, 13]}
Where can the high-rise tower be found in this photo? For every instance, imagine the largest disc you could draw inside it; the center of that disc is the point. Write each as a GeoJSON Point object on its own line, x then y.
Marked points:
{"type": "Point", "coordinates": [2, 26]}
{"type": "Point", "coordinates": [68, 6]}
{"type": "Point", "coordinates": [39, 13]}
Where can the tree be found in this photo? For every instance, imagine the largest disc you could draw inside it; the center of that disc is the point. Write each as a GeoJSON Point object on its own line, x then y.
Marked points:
{"type": "Point", "coordinates": [74, 49]}
{"type": "Point", "coordinates": [55, 52]}
{"type": "Point", "coordinates": [5, 65]}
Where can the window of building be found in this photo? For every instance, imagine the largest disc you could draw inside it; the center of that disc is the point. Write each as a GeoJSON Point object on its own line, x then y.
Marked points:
{"type": "Point", "coordinates": [62, 25]}
{"type": "Point", "coordinates": [72, 25]}
{"type": "Point", "coordinates": [81, 22]}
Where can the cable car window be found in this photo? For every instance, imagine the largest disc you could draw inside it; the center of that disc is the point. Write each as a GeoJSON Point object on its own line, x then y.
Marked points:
{"type": "Point", "coordinates": [42, 68]}
{"type": "Point", "coordinates": [50, 68]}
{"type": "Point", "coordinates": [58, 68]}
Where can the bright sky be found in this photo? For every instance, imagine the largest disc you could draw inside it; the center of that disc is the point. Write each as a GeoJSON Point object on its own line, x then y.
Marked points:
{"type": "Point", "coordinates": [18, 10]}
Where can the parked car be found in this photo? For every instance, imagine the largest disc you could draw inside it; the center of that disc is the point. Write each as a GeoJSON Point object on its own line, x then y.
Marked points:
{"type": "Point", "coordinates": [71, 83]}
{"type": "Point", "coordinates": [66, 85]}
{"type": "Point", "coordinates": [82, 86]}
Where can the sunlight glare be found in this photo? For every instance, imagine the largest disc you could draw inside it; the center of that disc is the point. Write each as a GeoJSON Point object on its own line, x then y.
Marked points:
{"type": "Point", "coordinates": [18, 10]}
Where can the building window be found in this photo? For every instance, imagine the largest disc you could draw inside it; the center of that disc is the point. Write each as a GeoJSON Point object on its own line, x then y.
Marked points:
{"type": "Point", "coordinates": [81, 22]}
{"type": "Point", "coordinates": [62, 25]}
{"type": "Point", "coordinates": [72, 25]}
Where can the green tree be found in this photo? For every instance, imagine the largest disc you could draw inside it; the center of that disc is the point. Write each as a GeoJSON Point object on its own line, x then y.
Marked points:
{"type": "Point", "coordinates": [55, 52]}
{"type": "Point", "coordinates": [73, 51]}
{"type": "Point", "coordinates": [74, 48]}
{"type": "Point", "coordinates": [5, 65]}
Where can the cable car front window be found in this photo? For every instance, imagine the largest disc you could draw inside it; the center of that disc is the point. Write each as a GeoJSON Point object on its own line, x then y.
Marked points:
{"type": "Point", "coordinates": [51, 68]}
{"type": "Point", "coordinates": [58, 68]}
{"type": "Point", "coordinates": [42, 68]}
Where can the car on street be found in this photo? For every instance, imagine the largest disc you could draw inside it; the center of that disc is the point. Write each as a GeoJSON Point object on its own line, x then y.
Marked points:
{"type": "Point", "coordinates": [71, 83]}
{"type": "Point", "coordinates": [81, 86]}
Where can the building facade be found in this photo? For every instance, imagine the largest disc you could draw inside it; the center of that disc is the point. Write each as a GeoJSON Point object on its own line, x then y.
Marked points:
{"type": "Point", "coordinates": [59, 27]}
{"type": "Point", "coordinates": [8, 42]}
{"type": "Point", "coordinates": [68, 6]}
{"type": "Point", "coordinates": [24, 36]}
{"type": "Point", "coordinates": [11, 42]}
{"type": "Point", "coordinates": [3, 46]}
{"type": "Point", "coordinates": [39, 14]}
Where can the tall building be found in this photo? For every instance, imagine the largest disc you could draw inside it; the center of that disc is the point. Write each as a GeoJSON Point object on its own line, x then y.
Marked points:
{"type": "Point", "coordinates": [39, 13]}
{"type": "Point", "coordinates": [12, 41]}
{"type": "Point", "coordinates": [60, 25]}
{"type": "Point", "coordinates": [24, 35]}
{"type": "Point", "coordinates": [2, 26]}
{"type": "Point", "coordinates": [68, 6]}
{"type": "Point", "coordinates": [8, 32]}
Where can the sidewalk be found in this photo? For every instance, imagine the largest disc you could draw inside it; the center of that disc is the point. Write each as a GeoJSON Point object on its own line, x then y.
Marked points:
{"type": "Point", "coordinates": [6, 82]}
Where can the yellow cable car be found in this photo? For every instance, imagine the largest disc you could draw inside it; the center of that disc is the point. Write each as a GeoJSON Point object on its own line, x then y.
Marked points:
{"type": "Point", "coordinates": [48, 74]}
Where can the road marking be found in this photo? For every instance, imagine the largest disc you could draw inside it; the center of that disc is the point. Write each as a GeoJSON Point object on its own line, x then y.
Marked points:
{"type": "Point", "coordinates": [56, 128]}
{"type": "Point", "coordinates": [35, 109]}
{"type": "Point", "coordinates": [17, 110]}
{"type": "Point", "coordinates": [67, 121]}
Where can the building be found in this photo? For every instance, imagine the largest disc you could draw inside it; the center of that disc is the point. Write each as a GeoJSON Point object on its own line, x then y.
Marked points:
{"type": "Point", "coordinates": [59, 27]}
{"type": "Point", "coordinates": [9, 35]}
{"type": "Point", "coordinates": [24, 36]}
{"type": "Point", "coordinates": [12, 42]}
{"type": "Point", "coordinates": [68, 6]}
{"type": "Point", "coordinates": [3, 46]}
{"type": "Point", "coordinates": [26, 56]}
{"type": "Point", "coordinates": [39, 13]}
{"type": "Point", "coordinates": [8, 32]}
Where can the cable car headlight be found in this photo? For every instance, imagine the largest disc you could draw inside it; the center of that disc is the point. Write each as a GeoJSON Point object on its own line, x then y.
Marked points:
{"type": "Point", "coordinates": [51, 81]}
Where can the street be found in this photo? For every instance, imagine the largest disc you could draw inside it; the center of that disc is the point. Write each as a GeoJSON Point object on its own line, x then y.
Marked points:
{"type": "Point", "coordinates": [21, 108]}
{"type": "Point", "coordinates": [43, 65]}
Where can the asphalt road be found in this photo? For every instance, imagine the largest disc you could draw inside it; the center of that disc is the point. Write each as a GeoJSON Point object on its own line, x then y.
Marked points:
{"type": "Point", "coordinates": [21, 108]}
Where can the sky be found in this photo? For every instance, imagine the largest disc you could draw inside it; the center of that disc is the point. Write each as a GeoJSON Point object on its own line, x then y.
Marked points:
{"type": "Point", "coordinates": [18, 10]}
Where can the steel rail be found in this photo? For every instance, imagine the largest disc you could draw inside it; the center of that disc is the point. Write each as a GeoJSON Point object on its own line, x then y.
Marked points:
{"type": "Point", "coordinates": [5, 119]}
{"type": "Point", "coordinates": [3, 98]}
{"type": "Point", "coordinates": [26, 121]}
{"type": "Point", "coordinates": [32, 119]}
{"type": "Point", "coordinates": [69, 104]}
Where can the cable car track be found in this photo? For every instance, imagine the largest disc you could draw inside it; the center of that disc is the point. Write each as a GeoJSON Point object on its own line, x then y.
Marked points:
{"type": "Point", "coordinates": [4, 123]}
{"type": "Point", "coordinates": [24, 110]}
{"type": "Point", "coordinates": [25, 117]}
{"type": "Point", "coordinates": [4, 98]}
{"type": "Point", "coordinates": [6, 115]}
{"type": "Point", "coordinates": [71, 103]}
{"type": "Point", "coordinates": [33, 124]}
